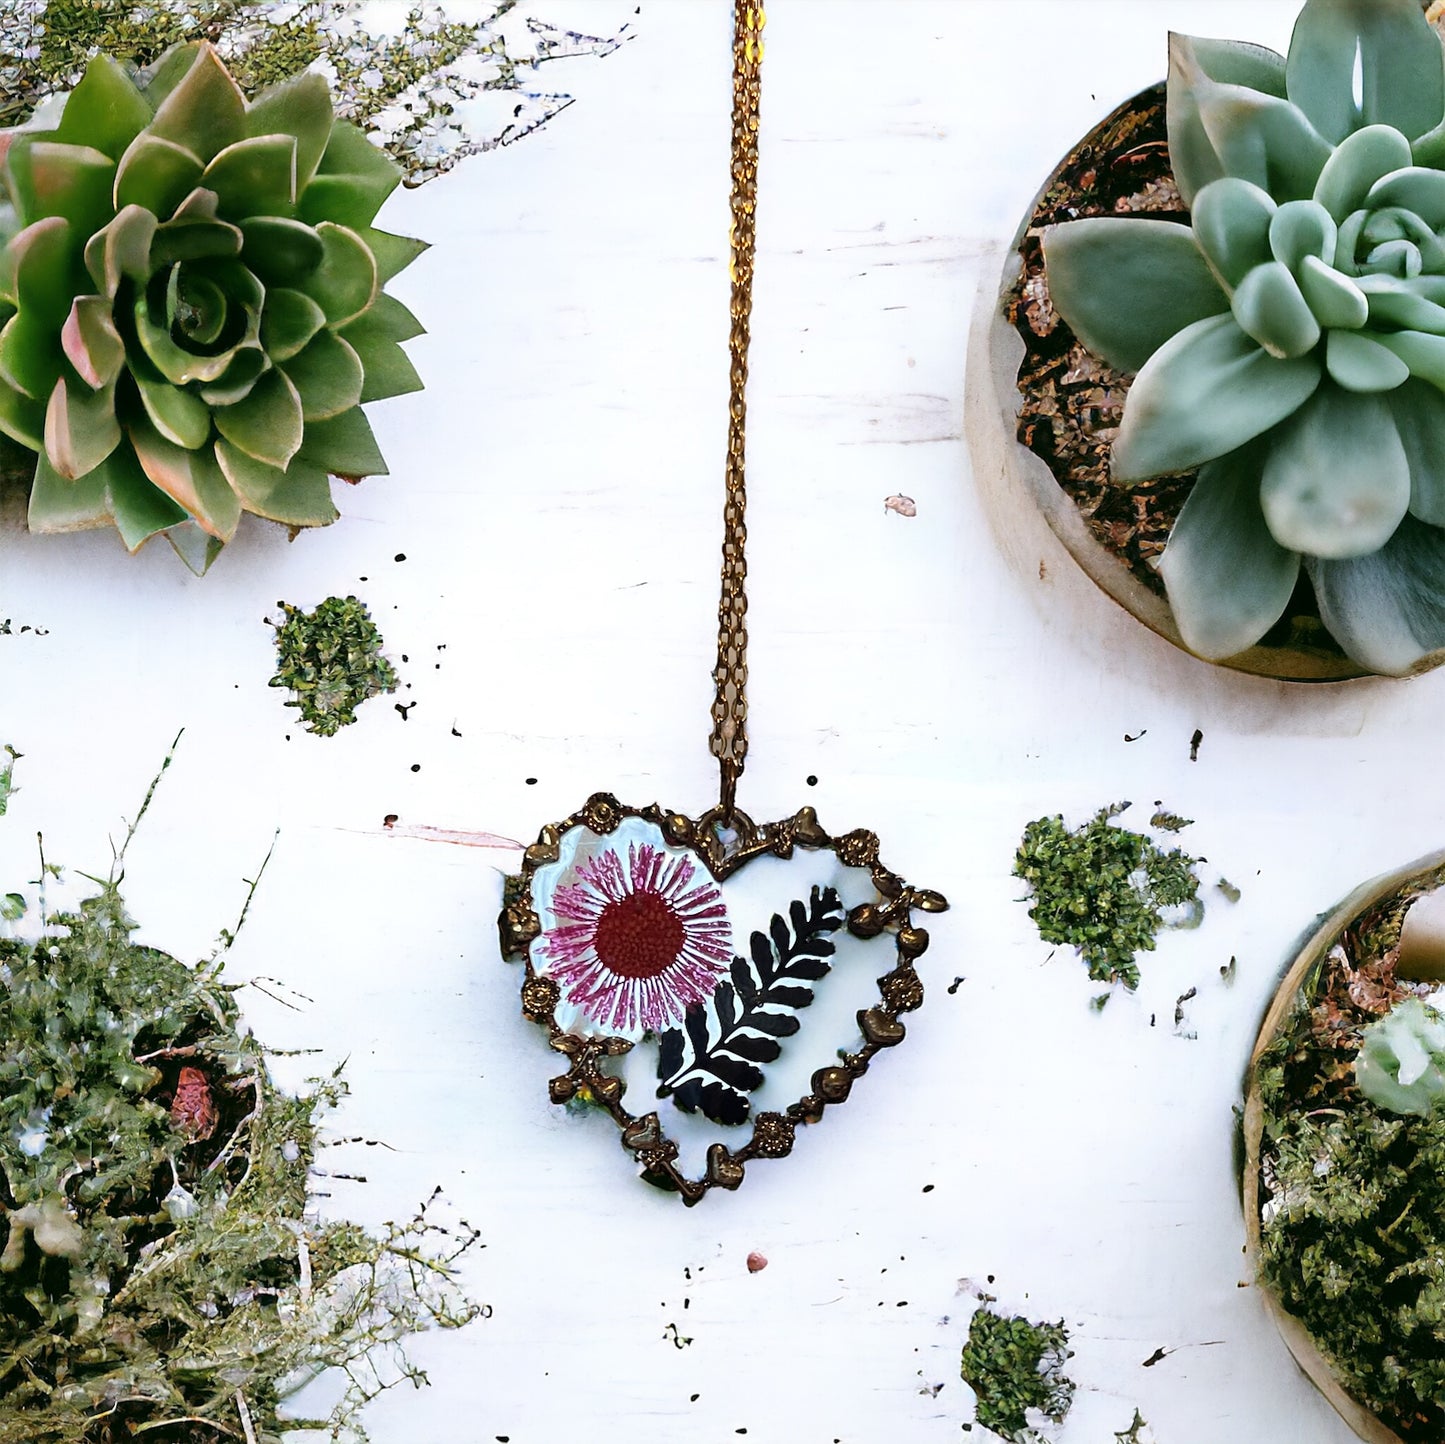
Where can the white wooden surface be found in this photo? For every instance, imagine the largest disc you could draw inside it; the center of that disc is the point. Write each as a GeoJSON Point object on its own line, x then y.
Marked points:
{"type": "Point", "coordinates": [555, 493]}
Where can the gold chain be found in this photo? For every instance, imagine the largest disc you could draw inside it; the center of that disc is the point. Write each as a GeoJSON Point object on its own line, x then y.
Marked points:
{"type": "Point", "coordinates": [729, 742]}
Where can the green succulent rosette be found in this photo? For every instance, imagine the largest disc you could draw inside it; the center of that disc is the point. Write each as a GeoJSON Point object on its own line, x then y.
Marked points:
{"type": "Point", "coordinates": [1290, 340]}
{"type": "Point", "coordinates": [191, 291]}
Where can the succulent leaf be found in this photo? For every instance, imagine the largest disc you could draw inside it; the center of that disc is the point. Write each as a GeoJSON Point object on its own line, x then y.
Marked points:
{"type": "Point", "coordinates": [1270, 307]}
{"type": "Point", "coordinates": [30, 359]}
{"type": "Point", "coordinates": [280, 251]}
{"type": "Point", "coordinates": [1336, 300]}
{"type": "Point", "coordinates": [180, 416]}
{"type": "Point", "coordinates": [71, 181]}
{"type": "Point", "coordinates": [1205, 392]}
{"type": "Point", "coordinates": [393, 253]}
{"type": "Point", "coordinates": [299, 107]}
{"type": "Point", "coordinates": [1415, 189]}
{"type": "Point", "coordinates": [1419, 412]}
{"type": "Point", "coordinates": [1232, 220]}
{"type": "Point", "coordinates": [1359, 363]}
{"type": "Point", "coordinates": [191, 304]}
{"type": "Point", "coordinates": [1194, 63]}
{"type": "Point", "coordinates": [60, 504]}
{"type": "Point", "coordinates": [345, 283]}
{"type": "Point", "coordinates": [288, 321]}
{"type": "Point", "coordinates": [343, 446]}
{"type": "Point", "coordinates": [1126, 286]}
{"type": "Point", "coordinates": [105, 110]}
{"type": "Point", "coordinates": [1395, 52]}
{"type": "Point", "coordinates": [139, 510]}
{"type": "Point", "coordinates": [156, 175]}
{"type": "Point", "coordinates": [1401, 1063]}
{"type": "Point", "coordinates": [352, 181]}
{"type": "Point", "coordinates": [1229, 580]}
{"type": "Point", "coordinates": [1336, 483]}
{"type": "Point", "coordinates": [1356, 165]}
{"type": "Point", "coordinates": [22, 417]}
{"type": "Point", "coordinates": [389, 371]}
{"type": "Point", "coordinates": [298, 496]}
{"type": "Point", "coordinates": [91, 343]}
{"type": "Point", "coordinates": [328, 377]}
{"type": "Point", "coordinates": [267, 422]}
{"type": "Point", "coordinates": [206, 110]}
{"type": "Point", "coordinates": [1422, 353]}
{"type": "Point", "coordinates": [1300, 229]}
{"type": "Point", "coordinates": [193, 479]}
{"type": "Point", "coordinates": [80, 427]}
{"type": "Point", "coordinates": [255, 176]}
{"type": "Point", "coordinates": [1246, 133]}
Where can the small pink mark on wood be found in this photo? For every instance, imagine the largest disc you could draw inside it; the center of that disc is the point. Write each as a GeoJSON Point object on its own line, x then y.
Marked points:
{"type": "Point", "coordinates": [756, 1263]}
{"type": "Point", "coordinates": [458, 837]}
{"type": "Point", "coordinates": [193, 1111]}
{"type": "Point", "coordinates": [903, 505]}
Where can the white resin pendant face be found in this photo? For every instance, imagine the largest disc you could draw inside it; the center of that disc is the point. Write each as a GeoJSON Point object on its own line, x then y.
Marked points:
{"type": "Point", "coordinates": [738, 975]}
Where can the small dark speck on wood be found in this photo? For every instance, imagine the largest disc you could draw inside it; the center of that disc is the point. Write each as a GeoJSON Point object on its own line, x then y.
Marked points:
{"type": "Point", "coordinates": [404, 708]}
{"type": "Point", "coordinates": [1155, 1357]}
{"type": "Point", "coordinates": [1143, 732]}
{"type": "Point", "coordinates": [1179, 1003]}
{"type": "Point", "coordinates": [953, 986]}
{"type": "Point", "coordinates": [1194, 745]}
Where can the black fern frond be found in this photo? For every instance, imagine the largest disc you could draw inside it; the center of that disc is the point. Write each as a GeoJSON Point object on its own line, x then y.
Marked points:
{"type": "Point", "coordinates": [711, 1064]}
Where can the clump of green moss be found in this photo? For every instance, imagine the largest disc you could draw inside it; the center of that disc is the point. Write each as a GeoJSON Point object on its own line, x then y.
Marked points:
{"type": "Point", "coordinates": [330, 659]}
{"type": "Point", "coordinates": [161, 1277]}
{"type": "Point", "coordinates": [1352, 1195]}
{"type": "Point", "coordinates": [408, 87]}
{"type": "Point", "coordinates": [1102, 889]}
{"type": "Point", "coordinates": [1015, 1366]}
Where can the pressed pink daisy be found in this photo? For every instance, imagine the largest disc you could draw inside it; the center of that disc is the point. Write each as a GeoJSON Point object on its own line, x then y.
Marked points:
{"type": "Point", "coordinates": [638, 940]}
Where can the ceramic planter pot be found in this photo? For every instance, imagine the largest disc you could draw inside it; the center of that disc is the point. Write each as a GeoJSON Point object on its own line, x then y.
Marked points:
{"type": "Point", "coordinates": [1304, 985]}
{"type": "Point", "coordinates": [1042, 412]}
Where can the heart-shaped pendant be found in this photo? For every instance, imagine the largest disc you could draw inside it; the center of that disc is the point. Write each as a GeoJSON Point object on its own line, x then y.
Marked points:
{"type": "Point", "coordinates": [676, 955]}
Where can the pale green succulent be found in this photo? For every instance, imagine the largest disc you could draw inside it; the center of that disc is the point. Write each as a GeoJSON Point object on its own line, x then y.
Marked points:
{"type": "Point", "coordinates": [1290, 341]}
{"type": "Point", "coordinates": [1401, 1063]}
{"type": "Point", "coordinates": [191, 286]}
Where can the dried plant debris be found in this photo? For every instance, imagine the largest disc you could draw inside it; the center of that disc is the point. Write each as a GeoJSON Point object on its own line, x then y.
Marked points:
{"type": "Point", "coordinates": [7, 775]}
{"type": "Point", "coordinates": [1134, 1434]}
{"type": "Point", "coordinates": [1016, 1370]}
{"type": "Point", "coordinates": [1072, 403]}
{"type": "Point", "coordinates": [1105, 890]}
{"type": "Point", "coordinates": [431, 90]}
{"type": "Point", "coordinates": [162, 1278]}
{"type": "Point", "coordinates": [1352, 1197]}
{"type": "Point", "coordinates": [331, 661]}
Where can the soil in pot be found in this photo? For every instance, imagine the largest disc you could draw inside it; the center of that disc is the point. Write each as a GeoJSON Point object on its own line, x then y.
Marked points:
{"type": "Point", "coordinates": [1345, 1201]}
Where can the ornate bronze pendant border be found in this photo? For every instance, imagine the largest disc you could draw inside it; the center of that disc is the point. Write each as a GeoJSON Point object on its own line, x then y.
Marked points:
{"type": "Point", "coordinates": [722, 848]}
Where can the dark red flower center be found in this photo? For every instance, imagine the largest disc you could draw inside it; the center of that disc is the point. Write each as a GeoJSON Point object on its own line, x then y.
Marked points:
{"type": "Point", "coordinates": [639, 936]}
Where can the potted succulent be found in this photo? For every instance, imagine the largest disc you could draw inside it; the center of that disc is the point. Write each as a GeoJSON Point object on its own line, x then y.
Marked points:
{"type": "Point", "coordinates": [192, 294]}
{"type": "Point", "coordinates": [1235, 356]}
{"type": "Point", "coordinates": [1344, 1173]}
